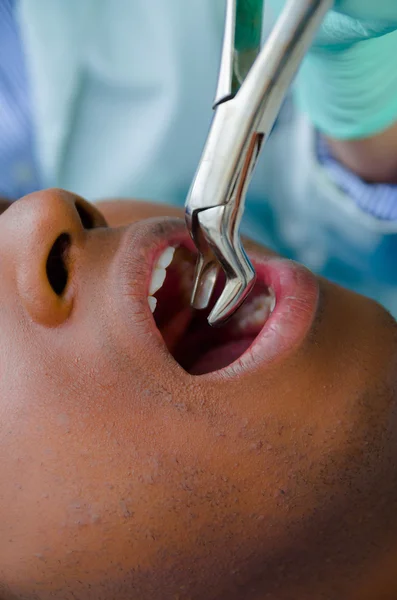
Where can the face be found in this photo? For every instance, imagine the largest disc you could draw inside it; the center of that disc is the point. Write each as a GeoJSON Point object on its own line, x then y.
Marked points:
{"type": "Point", "coordinates": [147, 456]}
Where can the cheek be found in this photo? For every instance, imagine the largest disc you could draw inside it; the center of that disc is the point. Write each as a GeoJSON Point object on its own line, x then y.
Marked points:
{"type": "Point", "coordinates": [89, 474]}
{"type": "Point", "coordinates": [88, 453]}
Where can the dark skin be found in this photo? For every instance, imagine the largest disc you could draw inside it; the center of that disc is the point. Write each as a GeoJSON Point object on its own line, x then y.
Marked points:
{"type": "Point", "coordinates": [124, 477]}
{"type": "Point", "coordinates": [374, 159]}
{"type": "Point", "coordinates": [4, 204]}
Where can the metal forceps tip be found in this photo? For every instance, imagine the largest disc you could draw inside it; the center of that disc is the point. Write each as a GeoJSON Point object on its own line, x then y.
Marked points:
{"type": "Point", "coordinates": [252, 85]}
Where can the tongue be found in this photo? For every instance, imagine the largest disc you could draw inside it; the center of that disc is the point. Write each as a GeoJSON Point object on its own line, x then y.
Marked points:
{"type": "Point", "coordinates": [219, 357]}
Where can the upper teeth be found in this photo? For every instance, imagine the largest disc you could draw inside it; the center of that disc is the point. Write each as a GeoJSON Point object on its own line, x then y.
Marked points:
{"type": "Point", "coordinates": [158, 275]}
{"type": "Point", "coordinates": [158, 278]}
{"type": "Point", "coordinates": [165, 258]}
{"type": "Point", "coordinates": [152, 303]}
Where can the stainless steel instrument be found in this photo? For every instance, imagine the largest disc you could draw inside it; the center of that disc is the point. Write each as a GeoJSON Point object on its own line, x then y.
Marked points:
{"type": "Point", "coordinates": [252, 85]}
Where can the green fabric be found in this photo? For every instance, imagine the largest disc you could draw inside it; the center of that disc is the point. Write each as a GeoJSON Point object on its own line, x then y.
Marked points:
{"type": "Point", "coordinates": [348, 82]}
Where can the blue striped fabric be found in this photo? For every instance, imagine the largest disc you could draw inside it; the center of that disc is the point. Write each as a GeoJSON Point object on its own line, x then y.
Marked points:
{"type": "Point", "coordinates": [18, 172]}
{"type": "Point", "coordinates": [379, 200]}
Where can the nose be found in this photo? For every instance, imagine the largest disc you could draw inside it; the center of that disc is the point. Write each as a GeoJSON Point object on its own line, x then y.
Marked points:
{"type": "Point", "coordinates": [44, 233]}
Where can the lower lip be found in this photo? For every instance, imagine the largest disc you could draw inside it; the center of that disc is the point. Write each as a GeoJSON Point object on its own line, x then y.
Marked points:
{"type": "Point", "coordinates": [297, 294]}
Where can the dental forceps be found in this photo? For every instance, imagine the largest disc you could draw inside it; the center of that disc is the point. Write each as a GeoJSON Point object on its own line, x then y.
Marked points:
{"type": "Point", "coordinates": [252, 85]}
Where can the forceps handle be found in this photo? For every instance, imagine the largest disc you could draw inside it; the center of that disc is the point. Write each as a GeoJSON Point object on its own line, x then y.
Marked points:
{"type": "Point", "coordinates": [253, 110]}
{"type": "Point", "coordinates": [241, 45]}
{"type": "Point", "coordinates": [266, 84]}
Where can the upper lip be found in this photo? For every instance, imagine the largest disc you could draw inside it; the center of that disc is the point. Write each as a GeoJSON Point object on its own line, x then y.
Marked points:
{"type": "Point", "coordinates": [296, 290]}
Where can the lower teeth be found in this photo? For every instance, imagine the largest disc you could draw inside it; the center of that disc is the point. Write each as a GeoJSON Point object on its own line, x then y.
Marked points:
{"type": "Point", "coordinates": [255, 312]}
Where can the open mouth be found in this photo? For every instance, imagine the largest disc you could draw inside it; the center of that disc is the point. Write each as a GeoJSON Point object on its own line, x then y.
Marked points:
{"type": "Point", "coordinates": [196, 346]}
{"type": "Point", "coordinates": [157, 263]}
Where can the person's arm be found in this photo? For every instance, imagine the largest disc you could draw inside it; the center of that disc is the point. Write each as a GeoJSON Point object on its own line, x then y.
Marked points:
{"type": "Point", "coordinates": [374, 159]}
{"type": "Point", "coordinates": [371, 196]}
{"type": "Point", "coordinates": [347, 85]}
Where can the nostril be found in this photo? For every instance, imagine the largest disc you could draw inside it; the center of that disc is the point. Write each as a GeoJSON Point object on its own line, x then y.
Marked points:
{"type": "Point", "coordinates": [57, 271]}
{"type": "Point", "coordinates": [86, 218]}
